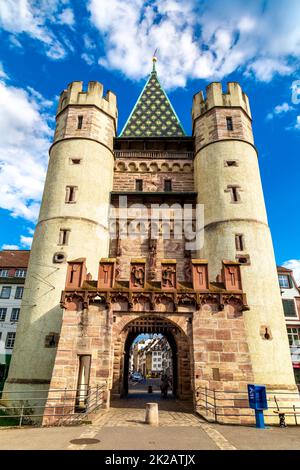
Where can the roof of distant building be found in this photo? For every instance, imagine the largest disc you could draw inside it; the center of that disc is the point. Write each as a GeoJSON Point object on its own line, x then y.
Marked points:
{"type": "Point", "coordinates": [283, 269]}
{"type": "Point", "coordinates": [14, 258]}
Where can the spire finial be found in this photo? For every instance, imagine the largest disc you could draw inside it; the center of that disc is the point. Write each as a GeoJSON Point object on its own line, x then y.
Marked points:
{"type": "Point", "coordinates": [154, 60]}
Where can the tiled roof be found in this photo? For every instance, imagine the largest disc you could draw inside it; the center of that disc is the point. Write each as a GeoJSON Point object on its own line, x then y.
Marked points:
{"type": "Point", "coordinates": [153, 115]}
{"type": "Point", "coordinates": [283, 270]}
{"type": "Point", "coordinates": [14, 258]}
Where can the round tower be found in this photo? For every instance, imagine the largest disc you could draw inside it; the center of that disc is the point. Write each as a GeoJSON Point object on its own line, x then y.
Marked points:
{"type": "Point", "coordinates": [228, 183]}
{"type": "Point", "coordinates": [73, 223]}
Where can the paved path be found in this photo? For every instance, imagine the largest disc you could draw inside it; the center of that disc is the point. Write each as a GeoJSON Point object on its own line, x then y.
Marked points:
{"type": "Point", "coordinates": [122, 428]}
{"type": "Point", "coordinates": [177, 416]}
{"type": "Point", "coordinates": [131, 412]}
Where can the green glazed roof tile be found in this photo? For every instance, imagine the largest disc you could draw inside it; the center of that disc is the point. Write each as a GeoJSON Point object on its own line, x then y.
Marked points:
{"type": "Point", "coordinates": [153, 115]}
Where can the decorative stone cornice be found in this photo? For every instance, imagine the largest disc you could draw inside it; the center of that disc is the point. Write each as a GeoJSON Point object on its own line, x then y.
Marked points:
{"type": "Point", "coordinates": [81, 299]}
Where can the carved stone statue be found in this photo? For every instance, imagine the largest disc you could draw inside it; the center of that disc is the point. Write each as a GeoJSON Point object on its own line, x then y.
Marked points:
{"type": "Point", "coordinates": [169, 276]}
{"type": "Point", "coordinates": [138, 276]}
{"type": "Point", "coordinates": [187, 270]}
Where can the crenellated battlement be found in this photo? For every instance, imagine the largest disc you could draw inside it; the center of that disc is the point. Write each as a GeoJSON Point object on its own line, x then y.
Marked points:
{"type": "Point", "coordinates": [234, 97]}
{"type": "Point", "coordinates": [75, 95]}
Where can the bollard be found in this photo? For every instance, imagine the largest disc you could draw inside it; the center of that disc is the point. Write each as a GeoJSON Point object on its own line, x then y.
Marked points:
{"type": "Point", "coordinates": [151, 414]}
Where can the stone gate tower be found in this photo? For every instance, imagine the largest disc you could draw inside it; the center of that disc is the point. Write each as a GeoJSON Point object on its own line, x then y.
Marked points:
{"type": "Point", "coordinates": [89, 294]}
{"type": "Point", "coordinates": [73, 223]}
{"type": "Point", "coordinates": [228, 183]}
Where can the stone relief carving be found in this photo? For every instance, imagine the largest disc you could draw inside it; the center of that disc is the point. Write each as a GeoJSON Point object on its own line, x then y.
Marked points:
{"type": "Point", "coordinates": [138, 276]}
{"type": "Point", "coordinates": [169, 276]}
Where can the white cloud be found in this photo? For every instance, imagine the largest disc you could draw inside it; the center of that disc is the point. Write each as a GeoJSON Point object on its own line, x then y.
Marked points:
{"type": "Point", "coordinates": [2, 73]}
{"type": "Point", "coordinates": [26, 241]}
{"type": "Point", "coordinates": [294, 264]}
{"type": "Point", "coordinates": [88, 58]}
{"type": "Point", "coordinates": [265, 68]}
{"type": "Point", "coordinates": [297, 125]}
{"type": "Point", "coordinates": [198, 39]}
{"type": "Point", "coordinates": [283, 108]}
{"type": "Point", "coordinates": [15, 42]}
{"type": "Point", "coordinates": [35, 19]}
{"type": "Point", "coordinates": [88, 42]}
{"type": "Point", "coordinates": [67, 17]}
{"type": "Point", "coordinates": [280, 109]}
{"type": "Point", "coordinates": [10, 247]}
{"type": "Point", "coordinates": [24, 143]}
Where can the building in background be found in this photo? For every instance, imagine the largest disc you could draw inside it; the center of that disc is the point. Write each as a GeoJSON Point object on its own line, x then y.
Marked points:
{"type": "Point", "coordinates": [13, 268]}
{"type": "Point", "coordinates": [153, 356]}
{"type": "Point", "coordinates": [290, 294]}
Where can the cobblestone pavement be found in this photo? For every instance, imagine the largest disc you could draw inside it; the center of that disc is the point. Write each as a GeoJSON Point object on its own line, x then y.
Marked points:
{"type": "Point", "coordinates": [131, 412]}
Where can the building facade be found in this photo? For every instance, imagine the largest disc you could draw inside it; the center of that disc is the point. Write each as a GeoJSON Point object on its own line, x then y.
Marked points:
{"type": "Point", "coordinates": [290, 294]}
{"type": "Point", "coordinates": [106, 265]}
{"type": "Point", "coordinates": [13, 268]}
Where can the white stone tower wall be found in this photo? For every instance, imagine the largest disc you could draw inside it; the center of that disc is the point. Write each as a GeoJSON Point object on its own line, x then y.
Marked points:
{"type": "Point", "coordinates": [223, 219]}
{"type": "Point", "coordinates": [87, 220]}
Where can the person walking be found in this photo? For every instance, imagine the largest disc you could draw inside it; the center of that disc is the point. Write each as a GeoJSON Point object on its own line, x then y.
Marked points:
{"type": "Point", "coordinates": [164, 386]}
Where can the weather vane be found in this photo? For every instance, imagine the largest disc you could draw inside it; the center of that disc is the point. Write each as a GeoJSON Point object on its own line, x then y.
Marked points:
{"type": "Point", "coordinates": [154, 59]}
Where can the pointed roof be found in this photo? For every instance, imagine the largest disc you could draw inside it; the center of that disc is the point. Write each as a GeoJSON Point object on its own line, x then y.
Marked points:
{"type": "Point", "coordinates": [153, 115]}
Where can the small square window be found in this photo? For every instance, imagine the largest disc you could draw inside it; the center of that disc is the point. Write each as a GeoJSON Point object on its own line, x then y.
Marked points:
{"type": "Point", "coordinates": [10, 340]}
{"type": "Point", "coordinates": [4, 273]}
{"type": "Point", "coordinates": [289, 308]}
{"type": "Point", "coordinates": [231, 163]}
{"type": "Point", "coordinates": [284, 281]}
{"type": "Point", "coordinates": [19, 292]}
{"type": "Point", "coordinates": [75, 161]}
{"type": "Point", "coordinates": [20, 273]}
{"type": "Point", "coordinates": [5, 292]}
{"type": "Point", "coordinates": [3, 312]}
{"type": "Point", "coordinates": [15, 314]}
{"type": "Point", "coordinates": [243, 259]}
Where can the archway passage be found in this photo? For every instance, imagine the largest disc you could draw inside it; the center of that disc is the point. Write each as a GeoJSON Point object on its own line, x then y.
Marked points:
{"type": "Point", "coordinates": [179, 344]}
{"type": "Point", "coordinates": [151, 362]}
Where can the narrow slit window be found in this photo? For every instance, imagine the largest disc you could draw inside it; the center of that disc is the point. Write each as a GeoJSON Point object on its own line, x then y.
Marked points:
{"type": "Point", "coordinates": [239, 242]}
{"type": "Point", "coordinates": [79, 122]}
{"type": "Point", "coordinates": [64, 236]}
{"type": "Point", "coordinates": [139, 185]}
{"type": "Point", "coordinates": [234, 192]}
{"type": "Point", "coordinates": [168, 185]}
{"type": "Point", "coordinates": [229, 123]}
{"type": "Point", "coordinates": [71, 194]}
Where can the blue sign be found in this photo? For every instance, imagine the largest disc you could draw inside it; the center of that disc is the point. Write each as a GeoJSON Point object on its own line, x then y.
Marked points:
{"type": "Point", "coordinates": [257, 397]}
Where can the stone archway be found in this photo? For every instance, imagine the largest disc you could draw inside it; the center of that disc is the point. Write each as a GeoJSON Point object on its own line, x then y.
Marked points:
{"type": "Point", "coordinates": [178, 340]}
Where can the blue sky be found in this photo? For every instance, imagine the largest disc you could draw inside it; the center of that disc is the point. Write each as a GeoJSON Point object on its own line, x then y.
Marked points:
{"type": "Point", "coordinates": [44, 45]}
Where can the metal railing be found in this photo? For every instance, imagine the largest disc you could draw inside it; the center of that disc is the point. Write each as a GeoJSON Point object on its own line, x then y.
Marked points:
{"type": "Point", "coordinates": [217, 405]}
{"type": "Point", "coordinates": [57, 406]}
{"type": "Point", "coordinates": [153, 154]}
